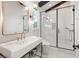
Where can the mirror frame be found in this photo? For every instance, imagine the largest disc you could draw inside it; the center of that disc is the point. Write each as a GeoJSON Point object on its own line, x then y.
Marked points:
{"type": "Point", "coordinates": [23, 22]}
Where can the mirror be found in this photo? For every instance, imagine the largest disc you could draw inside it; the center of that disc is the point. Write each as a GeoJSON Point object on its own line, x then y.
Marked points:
{"type": "Point", "coordinates": [35, 18]}
{"type": "Point", "coordinates": [15, 18]}
{"type": "Point", "coordinates": [25, 23]}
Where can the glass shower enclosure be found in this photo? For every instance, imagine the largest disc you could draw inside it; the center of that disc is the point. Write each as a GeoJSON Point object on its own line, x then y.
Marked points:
{"type": "Point", "coordinates": [58, 27]}
{"type": "Point", "coordinates": [48, 27]}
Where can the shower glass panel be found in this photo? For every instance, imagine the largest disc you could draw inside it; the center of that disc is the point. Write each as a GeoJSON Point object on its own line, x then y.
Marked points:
{"type": "Point", "coordinates": [65, 27]}
{"type": "Point", "coordinates": [48, 27]}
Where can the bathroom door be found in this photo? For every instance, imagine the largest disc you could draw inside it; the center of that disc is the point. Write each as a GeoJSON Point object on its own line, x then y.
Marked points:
{"type": "Point", "coordinates": [48, 26]}
{"type": "Point", "coordinates": [65, 28]}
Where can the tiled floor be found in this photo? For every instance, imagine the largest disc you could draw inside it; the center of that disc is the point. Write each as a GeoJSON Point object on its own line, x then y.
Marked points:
{"type": "Point", "coordinates": [51, 52]}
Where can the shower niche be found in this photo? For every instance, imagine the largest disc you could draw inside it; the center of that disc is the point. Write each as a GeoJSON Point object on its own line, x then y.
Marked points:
{"type": "Point", "coordinates": [57, 27]}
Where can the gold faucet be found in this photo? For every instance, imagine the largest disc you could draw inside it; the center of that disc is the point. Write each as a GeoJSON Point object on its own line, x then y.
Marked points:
{"type": "Point", "coordinates": [20, 36]}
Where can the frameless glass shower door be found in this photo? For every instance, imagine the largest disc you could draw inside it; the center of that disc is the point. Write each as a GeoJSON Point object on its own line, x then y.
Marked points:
{"type": "Point", "coordinates": [65, 27]}
{"type": "Point", "coordinates": [48, 26]}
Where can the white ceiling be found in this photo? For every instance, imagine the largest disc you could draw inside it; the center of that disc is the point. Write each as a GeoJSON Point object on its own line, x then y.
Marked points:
{"type": "Point", "coordinates": [43, 8]}
{"type": "Point", "coordinates": [48, 5]}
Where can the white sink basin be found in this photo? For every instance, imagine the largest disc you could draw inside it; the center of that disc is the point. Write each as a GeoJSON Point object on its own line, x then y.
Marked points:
{"type": "Point", "coordinates": [19, 48]}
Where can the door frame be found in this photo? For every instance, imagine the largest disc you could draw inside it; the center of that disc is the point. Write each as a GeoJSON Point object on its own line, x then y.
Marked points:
{"type": "Point", "coordinates": [73, 27]}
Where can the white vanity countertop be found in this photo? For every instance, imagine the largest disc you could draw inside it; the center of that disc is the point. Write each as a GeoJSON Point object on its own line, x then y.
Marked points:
{"type": "Point", "coordinates": [19, 48]}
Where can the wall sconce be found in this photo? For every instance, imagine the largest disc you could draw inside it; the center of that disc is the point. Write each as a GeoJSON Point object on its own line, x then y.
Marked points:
{"type": "Point", "coordinates": [30, 16]}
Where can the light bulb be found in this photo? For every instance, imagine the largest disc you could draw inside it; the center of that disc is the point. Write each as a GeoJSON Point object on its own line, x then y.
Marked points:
{"type": "Point", "coordinates": [35, 6]}
{"type": "Point", "coordinates": [48, 17]}
{"type": "Point", "coordinates": [26, 8]}
{"type": "Point", "coordinates": [31, 22]}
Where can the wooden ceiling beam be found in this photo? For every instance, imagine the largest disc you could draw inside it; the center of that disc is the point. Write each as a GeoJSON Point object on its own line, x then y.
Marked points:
{"type": "Point", "coordinates": [42, 3]}
{"type": "Point", "coordinates": [60, 3]}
